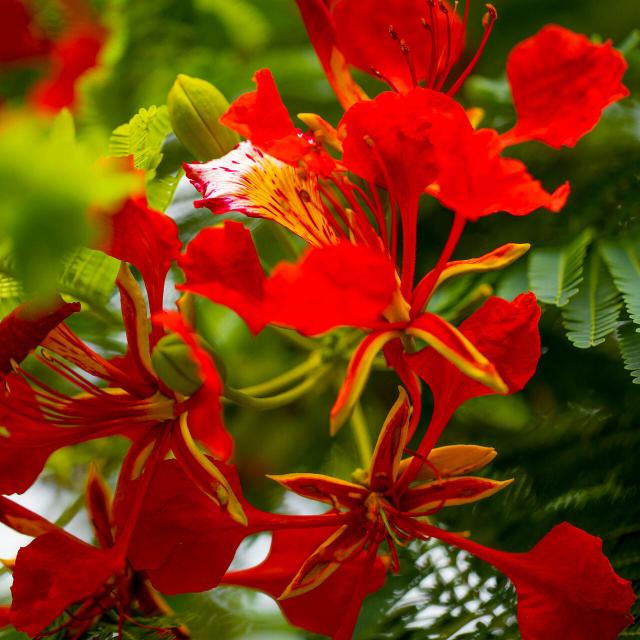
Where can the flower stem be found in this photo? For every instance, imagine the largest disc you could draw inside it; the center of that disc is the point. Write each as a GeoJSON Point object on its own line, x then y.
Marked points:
{"type": "Point", "coordinates": [286, 378]}
{"type": "Point", "coordinates": [280, 400]}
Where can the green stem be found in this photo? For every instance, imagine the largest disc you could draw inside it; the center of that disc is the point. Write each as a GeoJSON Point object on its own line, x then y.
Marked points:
{"type": "Point", "coordinates": [283, 380]}
{"type": "Point", "coordinates": [283, 237]}
{"type": "Point", "coordinates": [361, 435]}
{"type": "Point", "coordinates": [280, 400]}
{"type": "Point", "coordinates": [295, 338]}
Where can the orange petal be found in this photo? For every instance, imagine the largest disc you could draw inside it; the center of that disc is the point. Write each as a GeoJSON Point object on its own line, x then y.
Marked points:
{"type": "Point", "coordinates": [424, 499]}
{"type": "Point", "coordinates": [453, 460]}
{"type": "Point", "coordinates": [337, 493]}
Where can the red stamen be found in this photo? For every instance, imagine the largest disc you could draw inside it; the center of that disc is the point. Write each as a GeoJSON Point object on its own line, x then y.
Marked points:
{"type": "Point", "coordinates": [447, 63]}
{"type": "Point", "coordinates": [488, 21]}
{"type": "Point", "coordinates": [384, 78]}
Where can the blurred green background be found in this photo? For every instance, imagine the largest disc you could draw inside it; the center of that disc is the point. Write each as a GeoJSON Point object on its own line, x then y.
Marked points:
{"type": "Point", "coordinates": [571, 439]}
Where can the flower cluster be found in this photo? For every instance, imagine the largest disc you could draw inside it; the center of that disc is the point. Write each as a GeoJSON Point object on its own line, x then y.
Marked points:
{"type": "Point", "coordinates": [351, 194]}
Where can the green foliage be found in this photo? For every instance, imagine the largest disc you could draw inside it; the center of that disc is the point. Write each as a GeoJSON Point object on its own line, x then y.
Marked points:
{"type": "Point", "coordinates": [623, 258]}
{"type": "Point", "coordinates": [555, 274]}
{"type": "Point", "coordinates": [629, 342]}
{"type": "Point", "coordinates": [85, 275]}
{"type": "Point", "coordinates": [593, 313]}
{"type": "Point", "coordinates": [48, 181]}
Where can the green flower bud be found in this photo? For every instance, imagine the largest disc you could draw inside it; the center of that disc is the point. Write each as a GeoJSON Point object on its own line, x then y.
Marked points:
{"type": "Point", "coordinates": [195, 106]}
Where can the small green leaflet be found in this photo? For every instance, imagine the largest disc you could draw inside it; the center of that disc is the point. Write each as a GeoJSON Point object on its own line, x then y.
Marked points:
{"type": "Point", "coordinates": [623, 259]}
{"type": "Point", "coordinates": [592, 314]}
{"type": "Point", "coordinates": [555, 273]}
{"type": "Point", "coordinates": [629, 342]}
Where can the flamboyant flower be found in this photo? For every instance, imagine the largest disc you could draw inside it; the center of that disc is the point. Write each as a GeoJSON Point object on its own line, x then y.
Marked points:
{"type": "Point", "coordinates": [59, 578]}
{"type": "Point", "coordinates": [560, 81]}
{"type": "Point", "coordinates": [350, 276]}
{"type": "Point", "coordinates": [136, 401]}
{"type": "Point", "coordinates": [566, 586]}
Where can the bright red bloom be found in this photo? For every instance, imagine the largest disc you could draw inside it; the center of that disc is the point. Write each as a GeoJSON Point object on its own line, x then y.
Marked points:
{"type": "Point", "coordinates": [566, 586]}
{"type": "Point", "coordinates": [59, 575]}
{"type": "Point", "coordinates": [561, 82]}
{"type": "Point", "coordinates": [136, 403]}
{"type": "Point", "coordinates": [404, 143]}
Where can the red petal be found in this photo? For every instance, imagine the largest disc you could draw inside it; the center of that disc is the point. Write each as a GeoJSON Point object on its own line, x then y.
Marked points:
{"type": "Point", "coordinates": [561, 82]}
{"type": "Point", "coordinates": [260, 115]}
{"type": "Point", "coordinates": [222, 264]}
{"type": "Point", "coordinates": [73, 55]}
{"type": "Point", "coordinates": [148, 240]}
{"type": "Point", "coordinates": [181, 539]}
{"type": "Point", "coordinates": [53, 572]}
{"type": "Point", "coordinates": [340, 285]}
{"type": "Point", "coordinates": [392, 440]}
{"type": "Point", "coordinates": [506, 333]}
{"type": "Point", "coordinates": [476, 181]}
{"type": "Point", "coordinates": [390, 140]}
{"type": "Point", "coordinates": [567, 589]}
{"type": "Point", "coordinates": [4, 616]}
{"type": "Point", "coordinates": [363, 35]}
{"type": "Point", "coordinates": [323, 609]}
{"type": "Point", "coordinates": [319, 24]}
{"type": "Point", "coordinates": [26, 327]}
{"type": "Point", "coordinates": [335, 492]}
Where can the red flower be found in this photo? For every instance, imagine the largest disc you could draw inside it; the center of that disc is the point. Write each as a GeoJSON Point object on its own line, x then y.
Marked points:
{"type": "Point", "coordinates": [137, 402]}
{"type": "Point", "coordinates": [58, 575]}
{"type": "Point", "coordinates": [566, 587]}
{"type": "Point", "coordinates": [21, 41]}
{"type": "Point", "coordinates": [350, 275]}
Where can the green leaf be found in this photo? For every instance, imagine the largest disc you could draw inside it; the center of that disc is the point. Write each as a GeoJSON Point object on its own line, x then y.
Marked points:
{"type": "Point", "coordinates": [592, 314]}
{"type": "Point", "coordinates": [86, 275]}
{"type": "Point", "coordinates": [89, 276]}
{"type": "Point", "coordinates": [623, 259]}
{"type": "Point", "coordinates": [142, 137]}
{"type": "Point", "coordinates": [629, 342]}
{"type": "Point", "coordinates": [555, 274]}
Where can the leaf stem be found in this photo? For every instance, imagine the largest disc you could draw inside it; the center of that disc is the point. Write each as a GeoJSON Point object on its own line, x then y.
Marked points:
{"type": "Point", "coordinates": [361, 435]}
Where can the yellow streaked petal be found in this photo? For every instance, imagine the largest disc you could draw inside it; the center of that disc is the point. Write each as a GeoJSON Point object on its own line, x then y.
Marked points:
{"type": "Point", "coordinates": [453, 460]}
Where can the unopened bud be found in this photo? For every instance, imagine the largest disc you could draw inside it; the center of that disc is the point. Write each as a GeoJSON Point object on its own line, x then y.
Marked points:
{"type": "Point", "coordinates": [174, 365]}
{"type": "Point", "coordinates": [195, 107]}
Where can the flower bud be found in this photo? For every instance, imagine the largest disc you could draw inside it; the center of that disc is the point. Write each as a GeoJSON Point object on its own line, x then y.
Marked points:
{"type": "Point", "coordinates": [173, 363]}
{"type": "Point", "coordinates": [195, 106]}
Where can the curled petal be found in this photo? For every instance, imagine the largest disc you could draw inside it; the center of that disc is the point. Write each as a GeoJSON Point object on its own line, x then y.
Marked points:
{"type": "Point", "coordinates": [561, 82]}
{"type": "Point", "coordinates": [455, 347]}
{"type": "Point", "coordinates": [26, 327]}
{"type": "Point", "coordinates": [477, 181]}
{"type": "Point", "coordinates": [319, 23]}
{"type": "Point", "coordinates": [261, 186]}
{"type": "Point", "coordinates": [22, 520]}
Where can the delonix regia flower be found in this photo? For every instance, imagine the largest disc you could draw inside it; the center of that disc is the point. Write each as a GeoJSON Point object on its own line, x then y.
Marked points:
{"type": "Point", "coordinates": [566, 586]}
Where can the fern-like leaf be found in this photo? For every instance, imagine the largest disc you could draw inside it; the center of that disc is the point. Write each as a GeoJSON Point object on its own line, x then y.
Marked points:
{"type": "Point", "coordinates": [555, 274]}
{"type": "Point", "coordinates": [629, 342]}
{"type": "Point", "coordinates": [592, 314]}
{"type": "Point", "coordinates": [142, 137]}
{"type": "Point", "coordinates": [623, 259]}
